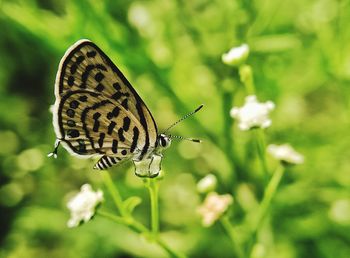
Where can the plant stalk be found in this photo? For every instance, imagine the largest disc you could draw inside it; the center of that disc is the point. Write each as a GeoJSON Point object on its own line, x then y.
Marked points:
{"type": "Point", "coordinates": [152, 186]}
{"type": "Point", "coordinates": [261, 148]}
{"type": "Point", "coordinates": [268, 195]}
{"type": "Point", "coordinates": [231, 232]}
{"type": "Point", "coordinates": [139, 228]}
{"type": "Point", "coordinates": [113, 190]}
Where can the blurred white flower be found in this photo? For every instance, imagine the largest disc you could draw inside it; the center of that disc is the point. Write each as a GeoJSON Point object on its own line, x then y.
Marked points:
{"type": "Point", "coordinates": [258, 251]}
{"type": "Point", "coordinates": [213, 207]}
{"type": "Point", "coordinates": [236, 55]}
{"type": "Point", "coordinates": [340, 211]}
{"type": "Point", "coordinates": [207, 184]}
{"type": "Point", "coordinates": [253, 113]}
{"type": "Point", "coordinates": [83, 205]}
{"type": "Point", "coordinates": [140, 17]}
{"type": "Point", "coordinates": [285, 153]}
{"type": "Point", "coordinates": [148, 167]}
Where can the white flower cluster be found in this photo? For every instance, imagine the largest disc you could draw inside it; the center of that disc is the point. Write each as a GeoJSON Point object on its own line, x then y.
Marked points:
{"type": "Point", "coordinates": [236, 55]}
{"type": "Point", "coordinates": [285, 153]}
{"type": "Point", "coordinates": [253, 113]}
{"type": "Point", "coordinates": [83, 205]}
{"type": "Point", "coordinates": [213, 207]}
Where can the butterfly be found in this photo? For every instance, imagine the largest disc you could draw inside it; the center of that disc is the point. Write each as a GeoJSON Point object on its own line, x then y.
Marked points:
{"type": "Point", "coordinates": [97, 113]}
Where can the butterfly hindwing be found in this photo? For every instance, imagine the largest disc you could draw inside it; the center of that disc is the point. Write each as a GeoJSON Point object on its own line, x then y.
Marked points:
{"type": "Point", "coordinates": [97, 112]}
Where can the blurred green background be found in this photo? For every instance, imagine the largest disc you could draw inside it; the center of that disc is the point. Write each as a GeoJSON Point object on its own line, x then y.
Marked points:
{"type": "Point", "coordinates": [171, 53]}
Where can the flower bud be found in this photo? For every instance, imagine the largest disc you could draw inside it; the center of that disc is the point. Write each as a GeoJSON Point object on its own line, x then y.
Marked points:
{"type": "Point", "coordinates": [285, 153]}
{"type": "Point", "coordinates": [236, 56]}
{"type": "Point", "coordinates": [148, 167]}
{"type": "Point", "coordinates": [207, 184]}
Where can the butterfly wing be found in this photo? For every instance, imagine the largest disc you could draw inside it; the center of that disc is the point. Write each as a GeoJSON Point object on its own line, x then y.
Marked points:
{"type": "Point", "coordinates": [97, 112]}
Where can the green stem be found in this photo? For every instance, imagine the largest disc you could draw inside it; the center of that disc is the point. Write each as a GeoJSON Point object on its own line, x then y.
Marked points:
{"type": "Point", "coordinates": [113, 190]}
{"type": "Point", "coordinates": [170, 251]}
{"type": "Point", "coordinates": [130, 222]}
{"type": "Point", "coordinates": [266, 203]}
{"type": "Point", "coordinates": [229, 142]}
{"type": "Point", "coordinates": [127, 220]}
{"type": "Point", "coordinates": [269, 194]}
{"type": "Point", "coordinates": [231, 232]}
{"type": "Point", "coordinates": [246, 77]}
{"type": "Point", "coordinates": [152, 186]}
{"type": "Point", "coordinates": [118, 219]}
{"type": "Point", "coordinates": [261, 146]}
{"type": "Point", "coordinates": [139, 228]}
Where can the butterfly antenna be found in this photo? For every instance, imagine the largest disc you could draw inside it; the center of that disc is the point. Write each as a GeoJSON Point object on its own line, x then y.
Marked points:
{"type": "Point", "coordinates": [183, 118]}
{"type": "Point", "coordinates": [184, 138]}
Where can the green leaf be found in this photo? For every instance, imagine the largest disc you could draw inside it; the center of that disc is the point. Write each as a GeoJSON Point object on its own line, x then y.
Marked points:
{"type": "Point", "coordinates": [131, 203]}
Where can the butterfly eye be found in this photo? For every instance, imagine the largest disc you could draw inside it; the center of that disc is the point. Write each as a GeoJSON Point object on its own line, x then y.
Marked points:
{"type": "Point", "coordinates": [164, 141]}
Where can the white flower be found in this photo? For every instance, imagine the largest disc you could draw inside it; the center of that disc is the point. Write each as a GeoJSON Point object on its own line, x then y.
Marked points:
{"type": "Point", "coordinates": [82, 206]}
{"type": "Point", "coordinates": [213, 207]}
{"type": "Point", "coordinates": [207, 184]}
{"type": "Point", "coordinates": [148, 167]}
{"type": "Point", "coordinates": [285, 153]}
{"type": "Point", "coordinates": [253, 113]}
{"type": "Point", "coordinates": [236, 56]}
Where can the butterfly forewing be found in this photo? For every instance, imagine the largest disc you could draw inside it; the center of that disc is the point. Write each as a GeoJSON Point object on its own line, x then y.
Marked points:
{"type": "Point", "coordinates": [97, 112]}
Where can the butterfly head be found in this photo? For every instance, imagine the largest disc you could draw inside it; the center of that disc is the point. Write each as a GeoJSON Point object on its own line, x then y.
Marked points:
{"type": "Point", "coordinates": [164, 141]}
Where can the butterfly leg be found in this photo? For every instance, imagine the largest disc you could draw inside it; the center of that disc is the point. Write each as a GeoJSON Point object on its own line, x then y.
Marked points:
{"type": "Point", "coordinates": [106, 162]}
{"type": "Point", "coordinates": [54, 153]}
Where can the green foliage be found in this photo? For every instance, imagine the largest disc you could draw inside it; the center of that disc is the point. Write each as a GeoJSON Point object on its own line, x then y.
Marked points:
{"type": "Point", "coordinates": [131, 203]}
{"type": "Point", "coordinates": [171, 53]}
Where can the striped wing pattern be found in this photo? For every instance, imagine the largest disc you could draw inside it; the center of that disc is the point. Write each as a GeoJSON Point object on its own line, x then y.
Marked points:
{"type": "Point", "coordinates": [97, 112]}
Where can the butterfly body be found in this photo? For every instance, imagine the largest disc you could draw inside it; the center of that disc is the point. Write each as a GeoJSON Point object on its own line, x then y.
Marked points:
{"type": "Point", "coordinates": [98, 113]}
